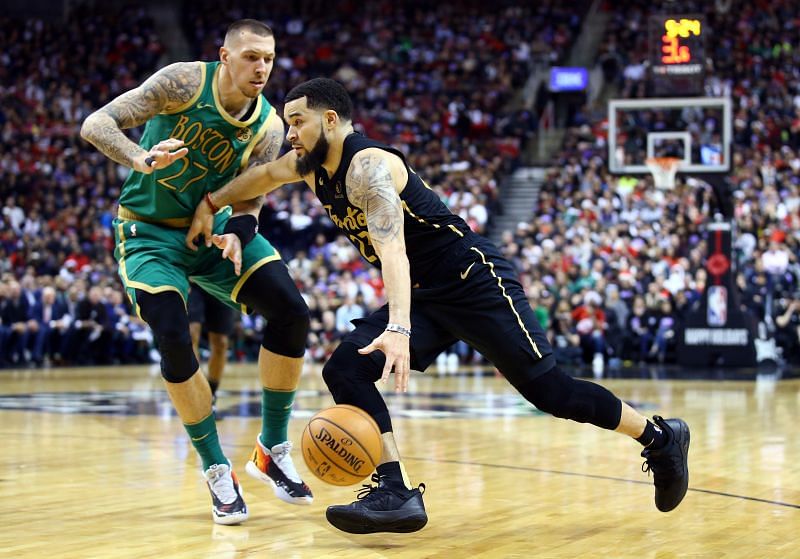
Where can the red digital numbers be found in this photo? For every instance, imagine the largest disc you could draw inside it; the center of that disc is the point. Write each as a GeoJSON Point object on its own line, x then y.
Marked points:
{"type": "Point", "coordinates": [673, 51]}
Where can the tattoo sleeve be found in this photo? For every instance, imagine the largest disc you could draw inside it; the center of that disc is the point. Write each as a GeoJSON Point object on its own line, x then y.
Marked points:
{"type": "Point", "coordinates": [269, 147]}
{"type": "Point", "coordinates": [267, 150]}
{"type": "Point", "coordinates": [170, 87]}
{"type": "Point", "coordinates": [371, 188]}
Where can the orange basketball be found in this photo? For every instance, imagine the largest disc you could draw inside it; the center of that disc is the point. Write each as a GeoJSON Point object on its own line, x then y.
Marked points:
{"type": "Point", "coordinates": [342, 445]}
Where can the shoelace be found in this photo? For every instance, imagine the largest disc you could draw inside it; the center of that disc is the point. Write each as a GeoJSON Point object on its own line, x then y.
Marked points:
{"type": "Point", "coordinates": [284, 461]}
{"type": "Point", "coordinates": [664, 468]}
{"type": "Point", "coordinates": [221, 483]}
{"type": "Point", "coordinates": [367, 489]}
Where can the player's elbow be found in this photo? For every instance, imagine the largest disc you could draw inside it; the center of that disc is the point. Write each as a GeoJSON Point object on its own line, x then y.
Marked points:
{"type": "Point", "coordinates": [88, 127]}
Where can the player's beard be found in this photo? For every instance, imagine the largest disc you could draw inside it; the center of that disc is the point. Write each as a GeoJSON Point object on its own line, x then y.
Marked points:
{"type": "Point", "coordinates": [314, 159]}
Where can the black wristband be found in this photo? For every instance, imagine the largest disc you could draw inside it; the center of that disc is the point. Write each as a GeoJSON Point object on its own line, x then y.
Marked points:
{"type": "Point", "coordinates": [244, 226]}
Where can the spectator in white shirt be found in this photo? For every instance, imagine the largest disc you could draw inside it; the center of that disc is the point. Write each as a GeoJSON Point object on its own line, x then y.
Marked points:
{"type": "Point", "coordinates": [776, 259]}
{"type": "Point", "coordinates": [14, 215]}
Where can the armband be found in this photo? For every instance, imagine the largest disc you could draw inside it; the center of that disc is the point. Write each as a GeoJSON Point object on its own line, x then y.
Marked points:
{"type": "Point", "coordinates": [243, 226]}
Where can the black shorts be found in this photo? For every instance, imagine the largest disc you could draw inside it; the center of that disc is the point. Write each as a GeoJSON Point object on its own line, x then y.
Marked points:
{"type": "Point", "coordinates": [214, 315]}
{"type": "Point", "coordinates": [473, 295]}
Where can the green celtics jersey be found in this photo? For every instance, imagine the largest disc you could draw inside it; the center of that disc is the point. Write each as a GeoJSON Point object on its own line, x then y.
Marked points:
{"type": "Point", "coordinates": [219, 146]}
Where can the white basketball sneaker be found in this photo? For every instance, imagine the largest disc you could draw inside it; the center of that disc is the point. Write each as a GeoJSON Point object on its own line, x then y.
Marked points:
{"type": "Point", "coordinates": [275, 467]}
{"type": "Point", "coordinates": [227, 504]}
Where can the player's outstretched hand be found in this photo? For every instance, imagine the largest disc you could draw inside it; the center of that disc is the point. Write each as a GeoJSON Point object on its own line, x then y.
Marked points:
{"type": "Point", "coordinates": [161, 155]}
{"type": "Point", "coordinates": [231, 249]}
{"type": "Point", "coordinates": [202, 224]}
{"type": "Point", "coordinates": [395, 346]}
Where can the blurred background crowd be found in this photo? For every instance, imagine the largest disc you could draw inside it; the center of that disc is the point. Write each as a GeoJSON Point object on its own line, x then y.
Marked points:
{"type": "Point", "coordinates": [610, 264]}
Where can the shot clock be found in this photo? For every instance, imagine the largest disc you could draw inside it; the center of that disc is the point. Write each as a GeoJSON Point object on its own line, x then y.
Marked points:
{"type": "Point", "coordinates": [677, 54]}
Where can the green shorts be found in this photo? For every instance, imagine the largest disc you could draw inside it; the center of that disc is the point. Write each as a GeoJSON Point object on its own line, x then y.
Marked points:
{"type": "Point", "coordinates": [155, 258]}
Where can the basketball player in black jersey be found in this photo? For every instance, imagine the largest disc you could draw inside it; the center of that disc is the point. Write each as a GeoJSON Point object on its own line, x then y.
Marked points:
{"type": "Point", "coordinates": [443, 283]}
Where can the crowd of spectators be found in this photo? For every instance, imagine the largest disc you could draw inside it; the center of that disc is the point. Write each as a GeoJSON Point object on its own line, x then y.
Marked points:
{"type": "Point", "coordinates": [611, 266]}
{"type": "Point", "coordinates": [431, 81]}
{"type": "Point", "coordinates": [60, 298]}
{"type": "Point", "coordinates": [621, 262]}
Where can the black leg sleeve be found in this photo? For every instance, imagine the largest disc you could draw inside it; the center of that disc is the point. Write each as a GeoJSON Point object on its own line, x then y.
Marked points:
{"type": "Point", "coordinates": [351, 378]}
{"type": "Point", "coordinates": [559, 394]}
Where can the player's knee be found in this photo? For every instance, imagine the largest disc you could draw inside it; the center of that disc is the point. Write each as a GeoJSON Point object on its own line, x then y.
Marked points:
{"type": "Point", "coordinates": [166, 315]}
{"type": "Point", "coordinates": [284, 308]}
{"type": "Point", "coordinates": [548, 392]}
{"type": "Point", "coordinates": [347, 364]}
{"type": "Point", "coordinates": [351, 377]}
{"type": "Point", "coordinates": [287, 331]}
{"type": "Point", "coordinates": [288, 335]}
{"type": "Point", "coordinates": [347, 372]}
{"type": "Point", "coordinates": [562, 396]}
{"type": "Point", "coordinates": [334, 372]}
{"type": "Point", "coordinates": [295, 316]}
{"type": "Point", "coordinates": [217, 342]}
{"type": "Point", "coordinates": [178, 360]}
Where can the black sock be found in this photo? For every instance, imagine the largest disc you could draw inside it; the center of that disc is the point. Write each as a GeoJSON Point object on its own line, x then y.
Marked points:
{"type": "Point", "coordinates": [391, 474]}
{"type": "Point", "coordinates": [653, 437]}
{"type": "Point", "coordinates": [214, 385]}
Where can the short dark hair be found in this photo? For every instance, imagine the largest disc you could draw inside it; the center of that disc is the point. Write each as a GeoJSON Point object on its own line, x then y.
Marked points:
{"type": "Point", "coordinates": [324, 93]}
{"type": "Point", "coordinates": [253, 25]}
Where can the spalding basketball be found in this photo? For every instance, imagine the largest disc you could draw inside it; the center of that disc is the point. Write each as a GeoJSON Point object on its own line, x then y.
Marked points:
{"type": "Point", "coordinates": [342, 445]}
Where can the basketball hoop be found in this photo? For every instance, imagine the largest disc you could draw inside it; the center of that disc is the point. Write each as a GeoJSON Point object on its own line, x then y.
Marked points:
{"type": "Point", "coordinates": [663, 170]}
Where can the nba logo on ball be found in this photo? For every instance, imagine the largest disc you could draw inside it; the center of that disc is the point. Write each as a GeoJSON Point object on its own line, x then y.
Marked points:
{"type": "Point", "coordinates": [341, 445]}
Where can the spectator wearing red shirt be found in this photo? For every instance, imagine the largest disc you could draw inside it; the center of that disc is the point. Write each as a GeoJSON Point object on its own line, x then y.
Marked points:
{"type": "Point", "coordinates": [590, 322]}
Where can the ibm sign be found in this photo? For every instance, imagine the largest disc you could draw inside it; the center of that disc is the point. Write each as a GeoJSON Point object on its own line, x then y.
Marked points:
{"type": "Point", "coordinates": [568, 79]}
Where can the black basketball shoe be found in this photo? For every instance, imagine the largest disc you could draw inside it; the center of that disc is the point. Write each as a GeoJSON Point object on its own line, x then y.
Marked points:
{"type": "Point", "coordinates": [669, 463]}
{"type": "Point", "coordinates": [381, 508]}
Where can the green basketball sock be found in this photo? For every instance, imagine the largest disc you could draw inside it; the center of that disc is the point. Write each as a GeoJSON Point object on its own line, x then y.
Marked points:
{"type": "Point", "coordinates": [206, 441]}
{"type": "Point", "coordinates": [276, 407]}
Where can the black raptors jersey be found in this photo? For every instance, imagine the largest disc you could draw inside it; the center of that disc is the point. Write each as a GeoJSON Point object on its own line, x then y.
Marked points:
{"type": "Point", "coordinates": [430, 228]}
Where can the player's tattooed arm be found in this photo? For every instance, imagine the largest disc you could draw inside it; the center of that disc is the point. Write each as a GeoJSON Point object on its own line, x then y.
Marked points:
{"type": "Point", "coordinates": [267, 150]}
{"type": "Point", "coordinates": [370, 187]}
{"type": "Point", "coordinates": [268, 147]}
{"type": "Point", "coordinates": [169, 88]}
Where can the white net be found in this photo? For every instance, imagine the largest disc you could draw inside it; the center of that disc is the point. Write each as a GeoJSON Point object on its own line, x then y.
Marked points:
{"type": "Point", "coordinates": [663, 170]}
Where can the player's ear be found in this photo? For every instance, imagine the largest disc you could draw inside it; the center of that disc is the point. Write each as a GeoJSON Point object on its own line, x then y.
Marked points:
{"type": "Point", "coordinates": [330, 118]}
{"type": "Point", "coordinates": [223, 54]}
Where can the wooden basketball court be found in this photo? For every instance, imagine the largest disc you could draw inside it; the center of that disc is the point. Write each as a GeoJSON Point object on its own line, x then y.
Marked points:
{"type": "Point", "coordinates": [96, 464]}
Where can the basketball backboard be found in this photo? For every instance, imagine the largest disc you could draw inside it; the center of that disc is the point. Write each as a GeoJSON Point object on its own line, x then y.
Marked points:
{"type": "Point", "coordinates": [696, 130]}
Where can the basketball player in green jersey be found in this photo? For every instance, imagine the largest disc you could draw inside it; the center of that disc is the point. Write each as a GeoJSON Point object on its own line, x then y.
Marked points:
{"type": "Point", "coordinates": [206, 121]}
